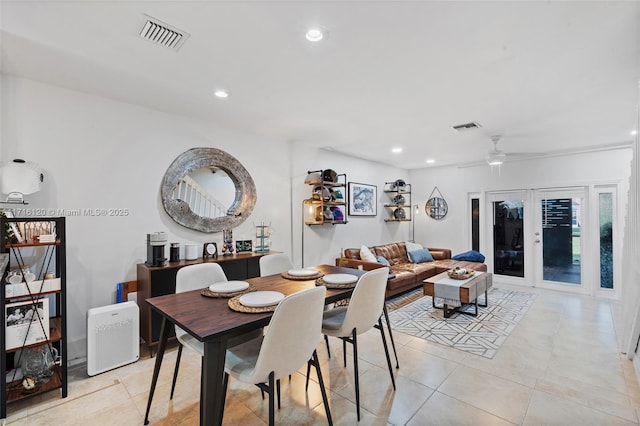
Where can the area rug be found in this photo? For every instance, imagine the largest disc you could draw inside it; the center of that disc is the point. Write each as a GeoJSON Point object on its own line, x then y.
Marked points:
{"type": "Point", "coordinates": [413, 314]}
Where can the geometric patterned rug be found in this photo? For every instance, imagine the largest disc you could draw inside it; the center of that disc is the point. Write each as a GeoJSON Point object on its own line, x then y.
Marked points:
{"type": "Point", "coordinates": [412, 313]}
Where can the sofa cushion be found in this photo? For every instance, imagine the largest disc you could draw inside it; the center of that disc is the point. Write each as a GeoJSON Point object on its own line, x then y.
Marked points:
{"type": "Point", "coordinates": [421, 271]}
{"type": "Point", "coordinates": [383, 260]}
{"type": "Point", "coordinates": [366, 255]}
{"type": "Point", "coordinates": [412, 246]}
{"type": "Point", "coordinates": [446, 264]}
{"type": "Point", "coordinates": [394, 252]}
{"type": "Point", "coordinates": [403, 278]}
{"type": "Point", "coordinates": [351, 253]}
{"type": "Point", "coordinates": [420, 256]}
{"type": "Point", "coordinates": [470, 256]}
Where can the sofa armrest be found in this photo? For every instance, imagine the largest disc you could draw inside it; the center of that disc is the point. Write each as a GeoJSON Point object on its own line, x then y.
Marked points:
{"type": "Point", "coordinates": [440, 253]}
{"type": "Point", "coordinates": [355, 263]}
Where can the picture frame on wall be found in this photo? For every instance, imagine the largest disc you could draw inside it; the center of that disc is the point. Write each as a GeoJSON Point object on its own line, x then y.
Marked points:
{"type": "Point", "coordinates": [363, 199]}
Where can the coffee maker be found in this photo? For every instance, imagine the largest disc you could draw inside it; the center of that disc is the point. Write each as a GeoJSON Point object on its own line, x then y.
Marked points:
{"type": "Point", "coordinates": [155, 248]}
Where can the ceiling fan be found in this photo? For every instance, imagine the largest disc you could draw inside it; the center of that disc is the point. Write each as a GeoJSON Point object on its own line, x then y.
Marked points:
{"type": "Point", "coordinates": [495, 157]}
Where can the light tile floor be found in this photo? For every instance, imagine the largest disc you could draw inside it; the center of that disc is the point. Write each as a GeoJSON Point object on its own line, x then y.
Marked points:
{"type": "Point", "coordinates": [560, 366]}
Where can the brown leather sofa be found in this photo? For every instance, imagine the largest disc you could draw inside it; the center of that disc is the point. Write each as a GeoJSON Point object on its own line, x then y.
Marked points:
{"type": "Point", "coordinates": [406, 275]}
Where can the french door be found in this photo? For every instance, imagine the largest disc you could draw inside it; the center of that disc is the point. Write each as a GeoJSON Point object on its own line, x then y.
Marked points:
{"type": "Point", "coordinates": [559, 234]}
{"type": "Point", "coordinates": [558, 238]}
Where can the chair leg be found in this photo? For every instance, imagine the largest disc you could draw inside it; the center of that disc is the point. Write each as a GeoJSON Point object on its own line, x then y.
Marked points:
{"type": "Point", "coordinates": [393, 344]}
{"type": "Point", "coordinates": [306, 386]}
{"type": "Point", "coordinates": [326, 339]}
{"type": "Point", "coordinates": [344, 352]}
{"type": "Point", "coordinates": [386, 352]}
{"type": "Point", "coordinates": [355, 371]}
{"type": "Point", "coordinates": [175, 371]}
{"type": "Point", "coordinates": [271, 399]}
{"type": "Point", "coordinates": [325, 400]}
{"type": "Point", "coordinates": [278, 391]}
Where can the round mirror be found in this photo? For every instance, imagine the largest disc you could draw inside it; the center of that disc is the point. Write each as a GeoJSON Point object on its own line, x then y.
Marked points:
{"type": "Point", "coordinates": [436, 207]}
{"type": "Point", "coordinates": [208, 190]}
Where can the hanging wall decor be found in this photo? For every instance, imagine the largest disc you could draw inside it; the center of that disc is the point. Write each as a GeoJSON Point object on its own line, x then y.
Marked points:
{"type": "Point", "coordinates": [436, 206]}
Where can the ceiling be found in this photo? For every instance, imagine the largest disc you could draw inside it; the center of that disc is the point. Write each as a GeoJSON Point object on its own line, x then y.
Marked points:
{"type": "Point", "coordinates": [549, 76]}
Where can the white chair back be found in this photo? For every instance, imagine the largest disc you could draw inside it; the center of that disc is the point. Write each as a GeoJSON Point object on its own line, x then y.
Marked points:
{"type": "Point", "coordinates": [198, 276]}
{"type": "Point", "coordinates": [276, 263]}
{"type": "Point", "coordinates": [293, 334]}
{"type": "Point", "coordinates": [194, 277]}
{"type": "Point", "coordinates": [367, 301]}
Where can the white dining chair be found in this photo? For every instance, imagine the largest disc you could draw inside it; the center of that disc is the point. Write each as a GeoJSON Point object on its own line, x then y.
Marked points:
{"type": "Point", "coordinates": [276, 263]}
{"type": "Point", "coordinates": [194, 277]}
{"type": "Point", "coordinates": [291, 340]}
{"type": "Point", "coordinates": [363, 312]}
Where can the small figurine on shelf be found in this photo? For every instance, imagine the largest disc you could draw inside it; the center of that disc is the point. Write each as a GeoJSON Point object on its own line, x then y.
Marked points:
{"type": "Point", "coordinates": [227, 242]}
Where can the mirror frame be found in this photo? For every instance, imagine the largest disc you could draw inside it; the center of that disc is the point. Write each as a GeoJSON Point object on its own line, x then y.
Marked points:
{"type": "Point", "coordinates": [194, 159]}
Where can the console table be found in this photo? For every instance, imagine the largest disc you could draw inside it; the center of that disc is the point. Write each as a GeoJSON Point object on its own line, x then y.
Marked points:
{"type": "Point", "coordinates": [160, 280]}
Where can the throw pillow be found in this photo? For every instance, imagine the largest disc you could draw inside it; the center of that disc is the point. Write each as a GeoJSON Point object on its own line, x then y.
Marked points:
{"type": "Point", "coordinates": [366, 255]}
{"type": "Point", "coordinates": [420, 256]}
{"type": "Point", "coordinates": [412, 246]}
{"type": "Point", "coordinates": [469, 256]}
{"type": "Point", "coordinates": [383, 260]}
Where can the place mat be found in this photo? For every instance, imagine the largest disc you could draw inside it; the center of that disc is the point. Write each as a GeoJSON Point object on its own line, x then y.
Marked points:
{"type": "Point", "coordinates": [320, 281]}
{"type": "Point", "coordinates": [235, 305]}
{"type": "Point", "coordinates": [208, 293]}
{"type": "Point", "coordinates": [301, 278]}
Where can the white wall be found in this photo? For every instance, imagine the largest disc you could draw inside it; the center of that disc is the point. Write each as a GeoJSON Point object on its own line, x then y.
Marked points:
{"type": "Point", "coordinates": [604, 167]}
{"type": "Point", "coordinates": [323, 243]}
{"type": "Point", "coordinates": [100, 153]}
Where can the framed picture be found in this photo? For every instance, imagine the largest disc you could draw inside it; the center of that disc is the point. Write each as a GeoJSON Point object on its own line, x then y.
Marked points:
{"type": "Point", "coordinates": [244, 245]}
{"type": "Point", "coordinates": [363, 199]}
{"type": "Point", "coordinates": [26, 323]}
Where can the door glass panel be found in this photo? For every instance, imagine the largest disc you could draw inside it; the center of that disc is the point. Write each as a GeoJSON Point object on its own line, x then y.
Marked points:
{"type": "Point", "coordinates": [561, 240]}
{"type": "Point", "coordinates": [606, 239]}
{"type": "Point", "coordinates": [475, 224]}
{"type": "Point", "coordinates": [508, 237]}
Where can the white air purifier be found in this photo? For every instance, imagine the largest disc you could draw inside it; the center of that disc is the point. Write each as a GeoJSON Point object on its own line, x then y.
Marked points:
{"type": "Point", "coordinates": [113, 337]}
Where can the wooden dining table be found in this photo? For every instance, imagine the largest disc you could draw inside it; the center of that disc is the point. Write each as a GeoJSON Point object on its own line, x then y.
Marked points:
{"type": "Point", "coordinates": [211, 321]}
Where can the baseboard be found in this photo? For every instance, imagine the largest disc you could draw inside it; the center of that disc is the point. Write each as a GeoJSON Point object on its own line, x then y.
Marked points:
{"type": "Point", "coordinates": [636, 366]}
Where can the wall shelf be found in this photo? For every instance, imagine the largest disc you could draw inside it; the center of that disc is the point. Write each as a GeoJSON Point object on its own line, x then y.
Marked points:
{"type": "Point", "coordinates": [32, 297]}
{"type": "Point", "coordinates": [327, 205]}
{"type": "Point", "coordinates": [400, 204]}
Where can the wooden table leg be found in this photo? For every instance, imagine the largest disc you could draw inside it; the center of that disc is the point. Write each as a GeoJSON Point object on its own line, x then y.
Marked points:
{"type": "Point", "coordinates": [164, 335]}
{"type": "Point", "coordinates": [212, 387]}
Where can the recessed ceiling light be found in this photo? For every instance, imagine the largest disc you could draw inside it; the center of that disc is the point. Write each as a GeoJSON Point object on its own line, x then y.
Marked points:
{"type": "Point", "coordinates": [396, 150]}
{"type": "Point", "coordinates": [315, 34]}
{"type": "Point", "coordinates": [431, 161]}
{"type": "Point", "coordinates": [634, 132]}
{"type": "Point", "coordinates": [221, 93]}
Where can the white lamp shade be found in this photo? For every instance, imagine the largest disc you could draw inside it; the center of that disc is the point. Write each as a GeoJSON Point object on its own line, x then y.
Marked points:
{"type": "Point", "coordinates": [23, 177]}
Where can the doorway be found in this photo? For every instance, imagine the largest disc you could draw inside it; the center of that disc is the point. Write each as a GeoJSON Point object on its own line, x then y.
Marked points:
{"type": "Point", "coordinates": [560, 231]}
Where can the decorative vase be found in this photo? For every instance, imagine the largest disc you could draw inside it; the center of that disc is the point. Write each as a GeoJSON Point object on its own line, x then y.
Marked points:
{"type": "Point", "coordinates": [227, 242]}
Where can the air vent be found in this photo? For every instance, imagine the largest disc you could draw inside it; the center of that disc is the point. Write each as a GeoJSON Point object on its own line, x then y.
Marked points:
{"type": "Point", "coordinates": [466, 126]}
{"type": "Point", "coordinates": [163, 34]}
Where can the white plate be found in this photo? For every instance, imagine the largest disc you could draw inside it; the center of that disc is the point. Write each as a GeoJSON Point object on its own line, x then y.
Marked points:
{"type": "Point", "coordinates": [340, 279]}
{"type": "Point", "coordinates": [229, 286]}
{"type": "Point", "coordinates": [259, 299]}
{"type": "Point", "coordinates": [306, 272]}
